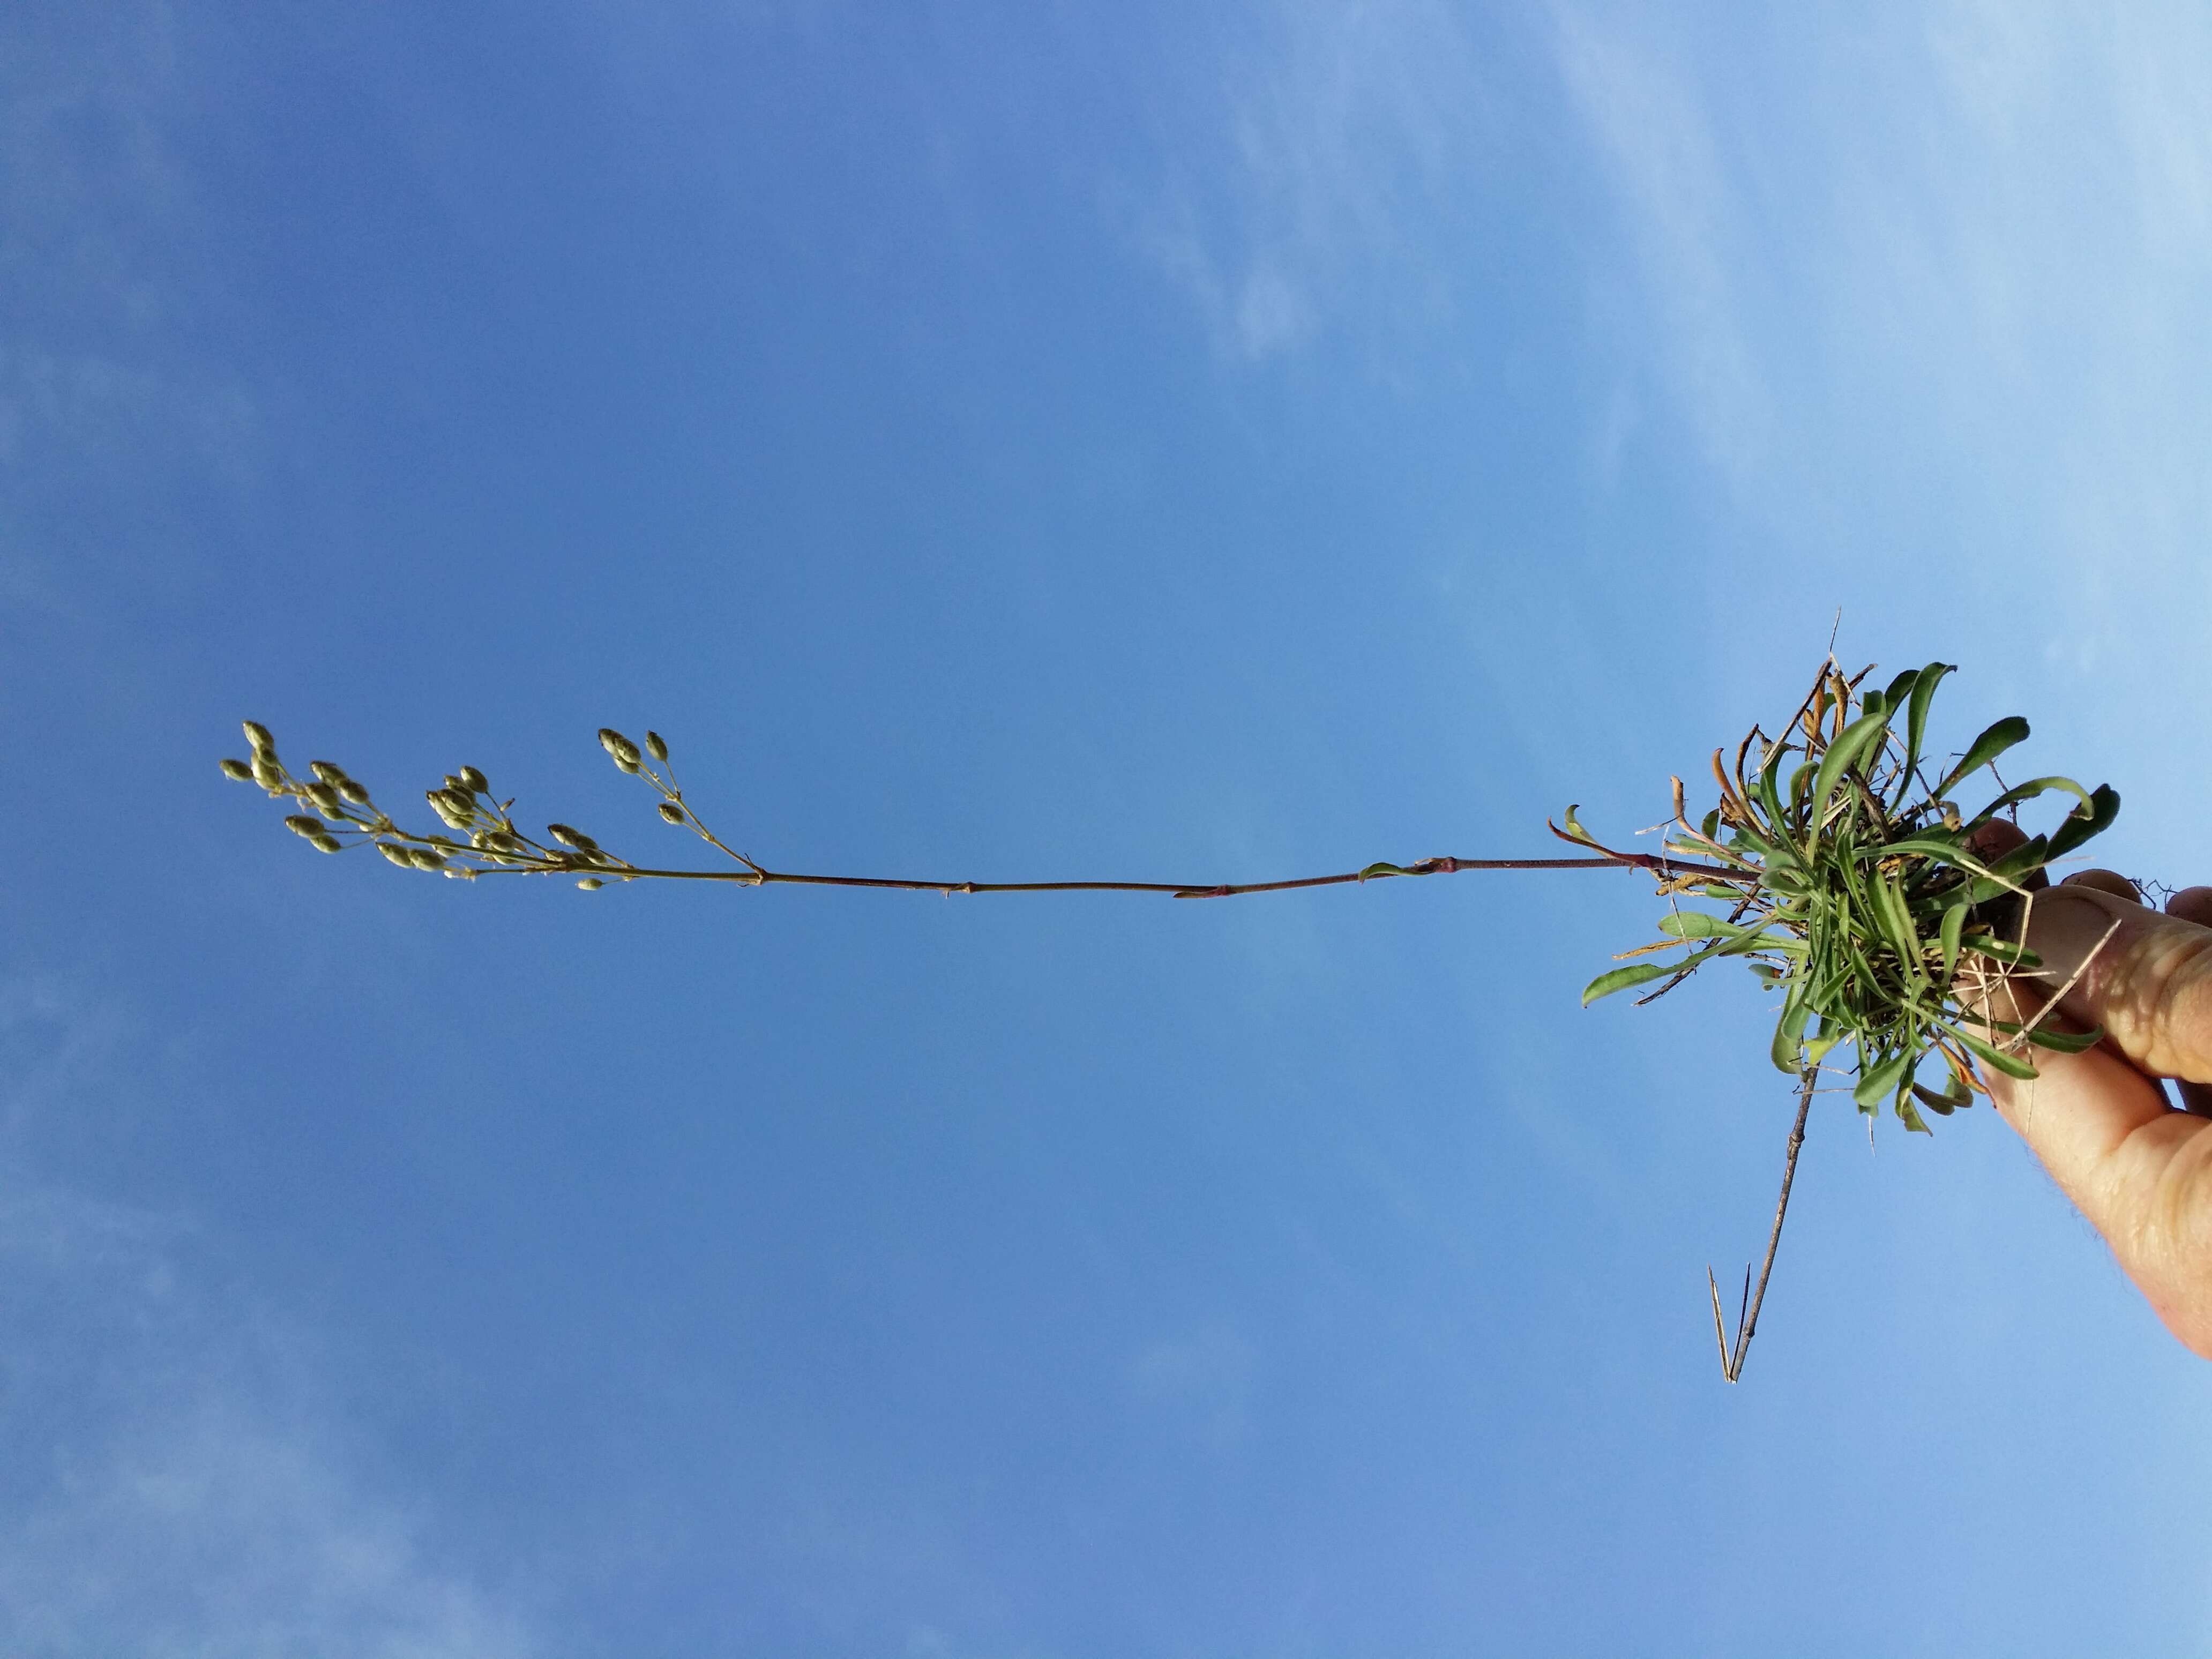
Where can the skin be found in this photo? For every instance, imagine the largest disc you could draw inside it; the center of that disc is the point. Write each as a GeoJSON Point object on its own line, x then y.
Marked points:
{"type": "Point", "coordinates": [2101, 1122]}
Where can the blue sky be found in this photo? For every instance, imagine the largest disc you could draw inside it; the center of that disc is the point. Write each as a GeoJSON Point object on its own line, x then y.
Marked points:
{"type": "Point", "coordinates": [1014, 442]}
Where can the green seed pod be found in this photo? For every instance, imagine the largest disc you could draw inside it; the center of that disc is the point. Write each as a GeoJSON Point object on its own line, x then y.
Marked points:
{"type": "Point", "coordinates": [396, 852]}
{"type": "Point", "coordinates": [349, 790]}
{"type": "Point", "coordinates": [328, 772]}
{"type": "Point", "coordinates": [572, 837]}
{"type": "Point", "coordinates": [326, 800]}
{"type": "Point", "coordinates": [325, 843]}
{"type": "Point", "coordinates": [591, 884]}
{"type": "Point", "coordinates": [657, 745]}
{"type": "Point", "coordinates": [258, 735]}
{"type": "Point", "coordinates": [266, 772]}
{"type": "Point", "coordinates": [453, 807]}
{"type": "Point", "coordinates": [238, 769]}
{"type": "Point", "coordinates": [301, 825]}
{"type": "Point", "coordinates": [423, 858]}
{"type": "Point", "coordinates": [623, 751]}
{"type": "Point", "coordinates": [474, 782]}
{"type": "Point", "coordinates": [459, 872]}
{"type": "Point", "coordinates": [672, 811]}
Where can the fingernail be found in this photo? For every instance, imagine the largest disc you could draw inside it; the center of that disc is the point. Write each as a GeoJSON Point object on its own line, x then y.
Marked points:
{"type": "Point", "coordinates": [2065, 927]}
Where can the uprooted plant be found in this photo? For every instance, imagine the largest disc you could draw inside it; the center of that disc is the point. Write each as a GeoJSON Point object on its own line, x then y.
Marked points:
{"type": "Point", "coordinates": [1846, 881]}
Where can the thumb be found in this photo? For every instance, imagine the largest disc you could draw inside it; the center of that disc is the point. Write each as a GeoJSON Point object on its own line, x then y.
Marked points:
{"type": "Point", "coordinates": [2146, 978]}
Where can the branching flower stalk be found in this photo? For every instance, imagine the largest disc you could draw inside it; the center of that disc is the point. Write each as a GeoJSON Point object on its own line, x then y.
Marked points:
{"type": "Point", "coordinates": [1845, 878]}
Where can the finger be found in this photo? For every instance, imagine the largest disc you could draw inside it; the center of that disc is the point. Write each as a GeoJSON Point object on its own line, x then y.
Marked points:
{"type": "Point", "coordinates": [2146, 978]}
{"type": "Point", "coordinates": [2106, 881]}
{"type": "Point", "coordinates": [2193, 904]}
{"type": "Point", "coordinates": [2140, 1173]}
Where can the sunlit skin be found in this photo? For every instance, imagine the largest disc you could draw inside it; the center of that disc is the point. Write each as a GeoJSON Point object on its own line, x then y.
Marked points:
{"type": "Point", "coordinates": [2100, 1122]}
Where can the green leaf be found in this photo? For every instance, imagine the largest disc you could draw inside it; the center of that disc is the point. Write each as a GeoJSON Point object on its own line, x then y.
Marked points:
{"type": "Point", "coordinates": [1382, 869]}
{"type": "Point", "coordinates": [1696, 923]}
{"type": "Point", "coordinates": [1899, 688]}
{"type": "Point", "coordinates": [1910, 1118]}
{"type": "Point", "coordinates": [1621, 979]}
{"type": "Point", "coordinates": [1955, 924]}
{"type": "Point", "coordinates": [1925, 847]}
{"type": "Point", "coordinates": [2030, 790]}
{"type": "Point", "coordinates": [1881, 1082]}
{"type": "Point", "coordinates": [1915, 719]}
{"type": "Point", "coordinates": [2066, 1043]}
{"type": "Point", "coordinates": [1575, 826]}
{"type": "Point", "coordinates": [2079, 825]}
{"type": "Point", "coordinates": [2010, 1065]}
{"type": "Point", "coordinates": [1790, 1030]}
{"type": "Point", "coordinates": [1952, 1097]}
{"type": "Point", "coordinates": [2001, 736]}
{"type": "Point", "coordinates": [1998, 949]}
{"type": "Point", "coordinates": [1843, 753]}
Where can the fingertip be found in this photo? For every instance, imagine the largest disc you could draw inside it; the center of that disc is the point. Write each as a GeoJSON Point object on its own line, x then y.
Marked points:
{"type": "Point", "coordinates": [2107, 881]}
{"type": "Point", "coordinates": [2191, 904]}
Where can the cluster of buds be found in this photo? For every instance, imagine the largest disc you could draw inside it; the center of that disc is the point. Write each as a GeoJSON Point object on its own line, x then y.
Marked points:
{"type": "Point", "coordinates": [345, 815]}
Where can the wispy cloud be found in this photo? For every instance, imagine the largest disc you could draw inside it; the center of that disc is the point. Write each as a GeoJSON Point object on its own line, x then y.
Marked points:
{"type": "Point", "coordinates": [105, 393]}
{"type": "Point", "coordinates": [176, 1484]}
{"type": "Point", "coordinates": [1955, 260]}
{"type": "Point", "coordinates": [1325, 137]}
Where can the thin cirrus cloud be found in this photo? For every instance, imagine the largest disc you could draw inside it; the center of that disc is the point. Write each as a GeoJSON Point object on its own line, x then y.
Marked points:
{"type": "Point", "coordinates": [177, 1481]}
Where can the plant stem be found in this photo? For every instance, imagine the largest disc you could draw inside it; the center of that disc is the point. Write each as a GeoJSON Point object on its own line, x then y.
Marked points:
{"type": "Point", "coordinates": [762, 877]}
{"type": "Point", "coordinates": [1748, 1319]}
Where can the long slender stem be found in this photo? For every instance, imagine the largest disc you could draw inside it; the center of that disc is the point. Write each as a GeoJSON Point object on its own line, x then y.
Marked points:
{"type": "Point", "coordinates": [1732, 1364]}
{"type": "Point", "coordinates": [760, 878]}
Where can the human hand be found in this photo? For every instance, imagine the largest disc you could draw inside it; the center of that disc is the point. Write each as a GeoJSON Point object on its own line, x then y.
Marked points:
{"type": "Point", "coordinates": [2099, 1120]}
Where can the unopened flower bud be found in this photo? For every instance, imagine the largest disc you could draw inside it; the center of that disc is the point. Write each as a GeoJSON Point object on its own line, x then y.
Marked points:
{"type": "Point", "coordinates": [623, 751]}
{"type": "Point", "coordinates": [453, 807]}
{"type": "Point", "coordinates": [672, 811]}
{"type": "Point", "coordinates": [658, 744]}
{"type": "Point", "coordinates": [572, 837]}
{"type": "Point", "coordinates": [459, 872]}
{"type": "Point", "coordinates": [396, 852]}
{"type": "Point", "coordinates": [301, 825]}
{"type": "Point", "coordinates": [325, 843]}
{"type": "Point", "coordinates": [328, 772]}
{"type": "Point", "coordinates": [474, 782]}
{"type": "Point", "coordinates": [266, 772]}
{"type": "Point", "coordinates": [326, 799]}
{"type": "Point", "coordinates": [591, 884]}
{"type": "Point", "coordinates": [239, 770]}
{"type": "Point", "coordinates": [423, 858]}
{"type": "Point", "coordinates": [258, 735]}
{"type": "Point", "coordinates": [349, 790]}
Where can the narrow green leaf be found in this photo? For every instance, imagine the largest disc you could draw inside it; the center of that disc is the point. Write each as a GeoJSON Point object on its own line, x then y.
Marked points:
{"type": "Point", "coordinates": [1915, 719]}
{"type": "Point", "coordinates": [1575, 825]}
{"type": "Point", "coordinates": [1948, 1102]}
{"type": "Point", "coordinates": [2029, 791]}
{"type": "Point", "coordinates": [2000, 737]}
{"type": "Point", "coordinates": [1925, 847]}
{"type": "Point", "coordinates": [1621, 979]}
{"type": "Point", "coordinates": [1910, 1118]}
{"type": "Point", "coordinates": [1381, 869]}
{"type": "Point", "coordinates": [1955, 924]}
{"type": "Point", "coordinates": [1790, 1030]}
{"type": "Point", "coordinates": [1899, 688]}
{"type": "Point", "coordinates": [1876, 1085]}
{"type": "Point", "coordinates": [2010, 1065]}
{"type": "Point", "coordinates": [2080, 826]}
{"type": "Point", "coordinates": [1998, 949]}
{"type": "Point", "coordinates": [1696, 923]}
{"type": "Point", "coordinates": [2066, 1043]}
{"type": "Point", "coordinates": [1843, 753]}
